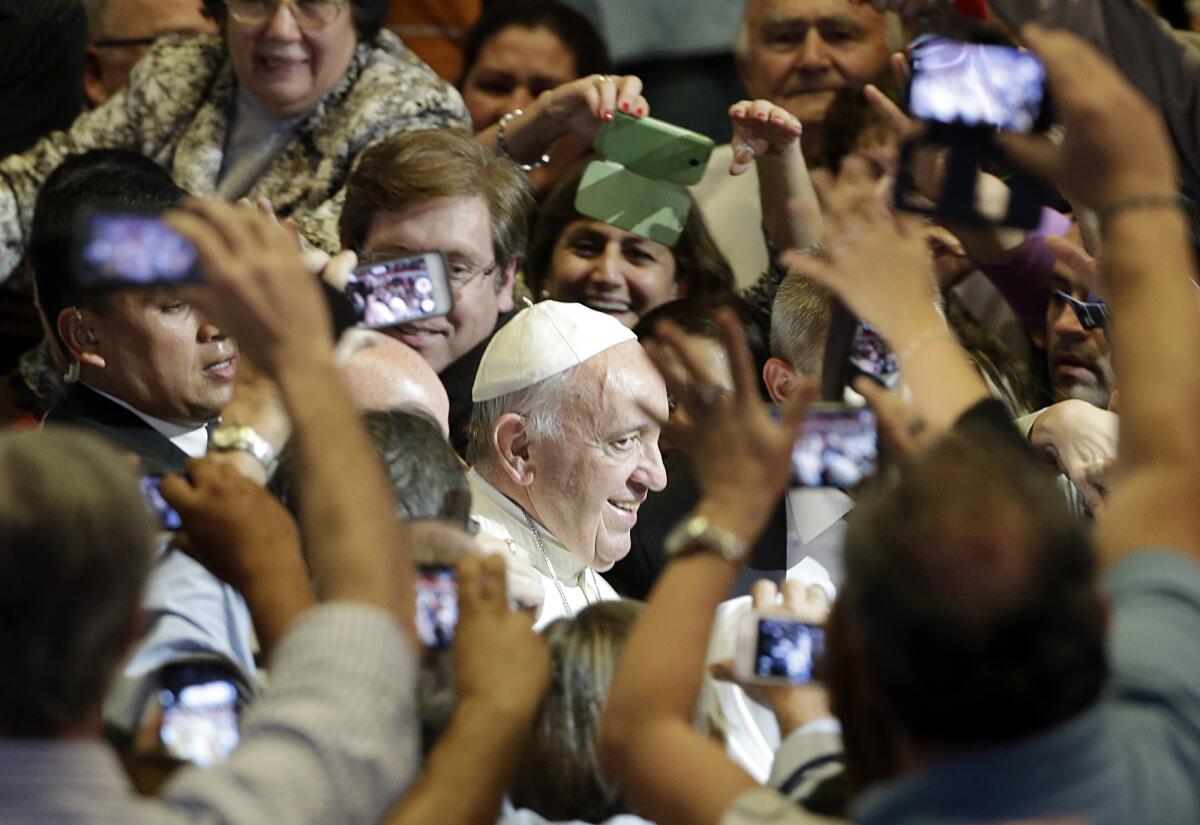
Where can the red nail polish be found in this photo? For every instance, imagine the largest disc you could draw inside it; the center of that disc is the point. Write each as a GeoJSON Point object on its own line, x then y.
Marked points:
{"type": "Point", "coordinates": [608, 115]}
{"type": "Point", "coordinates": [641, 111]}
{"type": "Point", "coordinates": [624, 107]}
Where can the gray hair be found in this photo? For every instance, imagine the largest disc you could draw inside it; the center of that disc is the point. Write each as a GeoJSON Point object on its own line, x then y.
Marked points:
{"type": "Point", "coordinates": [800, 319]}
{"type": "Point", "coordinates": [75, 551]}
{"type": "Point", "coordinates": [541, 405]}
{"type": "Point", "coordinates": [893, 29]}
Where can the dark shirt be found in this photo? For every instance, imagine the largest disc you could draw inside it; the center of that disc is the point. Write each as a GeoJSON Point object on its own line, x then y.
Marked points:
{"type": "Point", "coordinates": [458, 379]}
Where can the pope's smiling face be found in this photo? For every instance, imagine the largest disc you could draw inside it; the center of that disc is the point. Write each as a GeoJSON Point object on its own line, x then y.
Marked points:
{"type": "Point", "coordinates": [587, 486]}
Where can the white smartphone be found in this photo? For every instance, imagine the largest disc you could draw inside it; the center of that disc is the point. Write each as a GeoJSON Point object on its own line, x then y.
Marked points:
{"type": "Point", "coordinates": [399, 291]}
{"type": "Point", "coordinates": [779, 650]}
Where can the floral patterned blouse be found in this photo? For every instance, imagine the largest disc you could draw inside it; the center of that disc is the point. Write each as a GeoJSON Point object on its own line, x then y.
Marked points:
{"type": "Point", "coordinates": [176, 110]}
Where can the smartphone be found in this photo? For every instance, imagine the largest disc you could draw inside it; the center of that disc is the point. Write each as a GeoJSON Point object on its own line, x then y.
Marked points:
{"type": "Point", "coordinates": [437, 605]}
{"type": "Point", "coordinates": [401, 290]}
{"type": "Point", "coordinates": [200, 712]}
{"type": "Point", "coordinates": [162, 513]}
{"type": "Point", "coordinates": [653, 209]}
{"type": "Point", "coordinates": [779, 650]}
{"type": "Point", "coordinates": [871, 355]}
{"type": "Point", "coordinates": [978, 86]}
{"type": "Point", "coordinates": [838, 448]}
{"type": "Point", "coordinates": [122, 249]}
{"type": "Point", "coordinates": [654, 148]}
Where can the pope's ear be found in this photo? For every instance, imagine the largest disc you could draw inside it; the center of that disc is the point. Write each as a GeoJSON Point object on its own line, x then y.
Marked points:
{"type": "Point", "coordinates": [510, 440]}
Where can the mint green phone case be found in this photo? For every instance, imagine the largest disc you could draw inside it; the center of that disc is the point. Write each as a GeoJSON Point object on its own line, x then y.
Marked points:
{"type": "Point", "coordinates": [652, 209]}
{"type": "Point", "coordinates": [654, 148]}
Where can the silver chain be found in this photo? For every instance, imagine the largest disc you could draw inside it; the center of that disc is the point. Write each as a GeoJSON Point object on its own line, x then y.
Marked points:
{"type": "Point", "coordinates": [562, 594]}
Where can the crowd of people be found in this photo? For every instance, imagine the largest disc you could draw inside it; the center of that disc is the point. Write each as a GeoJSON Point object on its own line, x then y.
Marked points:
{"type": "Point", "coordinates": [579, 544]}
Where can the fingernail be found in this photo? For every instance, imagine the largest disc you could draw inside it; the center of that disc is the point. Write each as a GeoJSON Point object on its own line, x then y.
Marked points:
{"type": "Point", "coordinates": [608, 115]}
{"type": "Point", "coordinates": [762, 115]}
{"type": "Point", "coordinates": [624, 107]}
{"type": "Point", "coordinates": [641, 111]}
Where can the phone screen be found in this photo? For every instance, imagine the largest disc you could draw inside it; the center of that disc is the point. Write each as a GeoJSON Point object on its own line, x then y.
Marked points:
{"type": "Point", "coordinates": [789, 650]}
{"type": "Point", "coordinates": [200, 713]}
{"type": "Point", "coordinates": [437, 606]}
{"type": "Point", "coordinates": [838, 448]}
{"type": "Point", "coordinates": [162, 513]}
{"type": "Point", "coordinates": [871, 355]}
{"type": "Point", "coordinates": [128, 249]}
{"type": "Point", "coordinates": [390, 293]}
{"type": "Point", "coordinates": [977, 85]}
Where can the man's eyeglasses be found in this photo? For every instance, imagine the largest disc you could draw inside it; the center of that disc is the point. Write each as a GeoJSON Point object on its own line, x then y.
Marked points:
{"type": "Point", "coordinates": [308, 14]}
{"type": "Point", "coordinates": [1092, 313]}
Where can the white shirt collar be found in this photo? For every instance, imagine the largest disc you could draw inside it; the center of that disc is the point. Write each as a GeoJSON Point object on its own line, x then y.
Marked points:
{"type": "Point", "coordinates": [192, 440]}
{"type": "Point", "coordinates": [567, 565]}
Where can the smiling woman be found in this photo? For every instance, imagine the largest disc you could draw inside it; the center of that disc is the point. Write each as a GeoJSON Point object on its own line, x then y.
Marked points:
{"type": "Point", "coordinates": [278, 106]}
{"type": "Point", "coordinates": [574, 258]}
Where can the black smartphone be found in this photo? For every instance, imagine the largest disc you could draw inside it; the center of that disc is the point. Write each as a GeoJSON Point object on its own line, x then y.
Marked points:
{"type": "Point", "coordinates": [401, 290]}
{"type": "Point", "coordinates": [437, 605]}
{"type": "Point", "coordinates": [775, 649]}
{"type": "Point", "coordinates": [838, 448]}
{"type": "Point", "coordinates": [977, 86]}
{"type": "Point", "coordinates": [123, 249]}
{"type": "Point", "coordinates": [200, 712]}
{"type": "Point", "coordinates": [162, 513]}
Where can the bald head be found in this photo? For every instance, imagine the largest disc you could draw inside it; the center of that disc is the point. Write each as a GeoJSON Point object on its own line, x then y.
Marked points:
{"type": "Point", "coordinates": [384, 374]}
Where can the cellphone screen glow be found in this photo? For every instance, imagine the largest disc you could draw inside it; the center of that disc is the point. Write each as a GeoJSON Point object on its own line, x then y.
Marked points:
{"type": "Point", "coordinates": [134, 249]}
{"type": "Point", "coordinates": [788, 649]}
{"type": "Point", "coordinates": [838, 448]}
{"type": "Point", "coordinates": [392, 292]}
{"type": "Point", "coordinates": [437, 606]}
{"type": "Point", "coordinates": [200, 722]}
{"type": "Point", "coordinates": [977, 85]}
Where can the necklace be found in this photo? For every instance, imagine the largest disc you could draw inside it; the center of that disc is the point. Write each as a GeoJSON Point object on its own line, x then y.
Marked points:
{"type": "Point", "coordinates": [537, 536]}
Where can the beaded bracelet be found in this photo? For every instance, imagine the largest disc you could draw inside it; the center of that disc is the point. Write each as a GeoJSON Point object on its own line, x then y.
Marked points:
{"type": "Point", "coordinates": [502, 143]}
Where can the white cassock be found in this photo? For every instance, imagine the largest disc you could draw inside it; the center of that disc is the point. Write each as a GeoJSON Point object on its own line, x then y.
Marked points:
{"type": "Point", "coordinates": [500, 518]}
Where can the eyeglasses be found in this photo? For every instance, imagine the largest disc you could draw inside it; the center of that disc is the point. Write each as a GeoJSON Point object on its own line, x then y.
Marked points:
{"type": "Point", "coordinates": [459, 277]}
{"type": "Point", "coordinates": [308, 14]}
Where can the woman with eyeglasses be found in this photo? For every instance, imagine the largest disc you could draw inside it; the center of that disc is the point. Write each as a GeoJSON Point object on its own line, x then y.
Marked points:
{"type": "Point", "coordinates": [277, 106]}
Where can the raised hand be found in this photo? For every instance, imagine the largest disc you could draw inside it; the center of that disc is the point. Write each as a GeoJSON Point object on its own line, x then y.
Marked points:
{"type": "Point", "coordinates": [734, 441]}
{"type": "Point", "coordinates": [761, 128]}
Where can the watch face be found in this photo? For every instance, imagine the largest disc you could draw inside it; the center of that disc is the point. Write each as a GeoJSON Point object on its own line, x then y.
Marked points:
{"type": "Point", "coordinates": [224, 437]}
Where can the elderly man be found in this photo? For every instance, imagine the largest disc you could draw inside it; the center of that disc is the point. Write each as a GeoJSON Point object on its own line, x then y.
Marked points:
{"type": "Point", "coordinates": [384, 375]}
{"type": "Point", "coordinates": [797, 54]}
{"type": "Point", "coordinates": [443, 191]}
{"type": "Point", "coordinates": [564, 444]}
{"type": "Point", "coordinates": [120, 31]}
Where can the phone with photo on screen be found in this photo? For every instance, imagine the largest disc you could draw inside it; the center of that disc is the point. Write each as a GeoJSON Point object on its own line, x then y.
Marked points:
{"type": "Point", "coordinates": [400, 290]}
{"type": "Point", "coordinates": [839, 447]}
{"type": "Point", "coordinates": [437, 605]}
{"type": "Point", "coordinates": [777, 649]}
{"type": "Point", "coordinates": [126, 249]}
{"type": "Point", "coordinates": [199, 712]}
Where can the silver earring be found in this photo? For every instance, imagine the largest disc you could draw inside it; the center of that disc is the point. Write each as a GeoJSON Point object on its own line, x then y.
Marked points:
{"type": "Point", "coordinates": [71, 376]}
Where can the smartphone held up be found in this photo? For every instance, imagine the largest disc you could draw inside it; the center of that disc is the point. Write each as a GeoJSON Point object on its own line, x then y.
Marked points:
{"type": "Point", "coordinates": [401, 290]}
{"type": "Point", "coordinates": [777, 649]}
{"type": "Point", "coordinates": [130, 249]}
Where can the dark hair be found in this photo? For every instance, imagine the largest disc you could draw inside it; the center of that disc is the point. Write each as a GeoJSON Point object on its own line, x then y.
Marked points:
{"type": "Point", "coordinates": [368, 15]}
{"type": "Point", "coordinates": [695, 317]}
{"type": "Point", "coordinates": [558, 775]}
{"type": "Point", "coordinates": [414, 167]}
{"type": "Point", "coordinates": [974, 590]}
{"type": "Point", "coordinates": [75, 551]}
{"type": "Point", "coordinates": [699, 265]}
{"type": "Point", "coordinates": [568, 25]}
{"type": "Point", "coordinates": [112, 180]}
{"type": "Point", "coordinates": [421, 466]}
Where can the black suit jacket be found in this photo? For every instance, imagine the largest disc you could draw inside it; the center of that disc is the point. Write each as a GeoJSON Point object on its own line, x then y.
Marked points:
{"type": "Point", "coordinates": [88, 410]}
{"type": "Point", "coordinates": [634, 575]}
{"type": "Point", "coordinates": [459, 379]}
